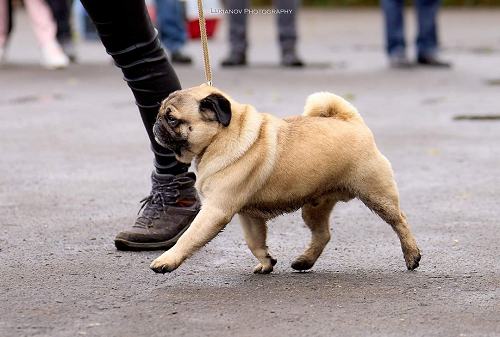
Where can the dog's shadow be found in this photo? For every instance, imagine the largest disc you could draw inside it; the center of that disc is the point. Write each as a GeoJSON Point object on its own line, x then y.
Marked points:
{"type": "Point", "coordinates": [235, 287]}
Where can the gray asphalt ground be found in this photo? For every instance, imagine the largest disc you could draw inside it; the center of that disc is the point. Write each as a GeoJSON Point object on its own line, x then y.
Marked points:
{"type": "Point", "coordinates": [75, 161]}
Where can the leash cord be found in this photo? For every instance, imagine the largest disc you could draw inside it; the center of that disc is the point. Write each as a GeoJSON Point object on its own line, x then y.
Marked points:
{"type": "Point", "coordinates": [204, 43]}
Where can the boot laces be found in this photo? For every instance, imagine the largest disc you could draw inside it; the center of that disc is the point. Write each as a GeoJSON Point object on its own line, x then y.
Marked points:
{"type": "Point", "coordinates": [163, 194]}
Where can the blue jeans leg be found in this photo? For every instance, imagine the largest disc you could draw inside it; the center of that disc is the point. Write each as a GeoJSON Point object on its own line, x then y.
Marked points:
{"type": "Point", "coordinates": [172, 25]}
{"type": "Point", "coordinates": [427, 29]}
{"type": "Point", "coordinates": [286, 23]}
{"type": "Point", "coordinates": [394, 26]}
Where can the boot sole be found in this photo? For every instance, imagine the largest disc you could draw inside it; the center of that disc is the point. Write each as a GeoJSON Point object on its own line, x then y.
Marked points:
{"type": "Point", "coordinates": [121, 244]}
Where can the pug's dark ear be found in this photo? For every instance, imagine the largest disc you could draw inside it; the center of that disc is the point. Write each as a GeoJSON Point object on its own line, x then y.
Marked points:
{"type": "Point", "coordinates": [219, 105]}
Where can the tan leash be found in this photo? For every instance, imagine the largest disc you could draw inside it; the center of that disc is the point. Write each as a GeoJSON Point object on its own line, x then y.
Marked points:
{"type": "Point", "coordinates": [204, 43]}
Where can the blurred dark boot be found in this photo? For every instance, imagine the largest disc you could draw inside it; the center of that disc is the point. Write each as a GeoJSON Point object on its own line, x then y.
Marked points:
{"type": "Point", "coordinates": [180, 57]}
{"type": "Point", "coordinates": [433, 60]}
{"type": "Point", "coordinates": [289, 58]}
{"type": "Point", "coordinates": [69, 49]}
{"type": "Point", "coordinates": [235, 59]}
{"type": "Point", "coordinates": [166, 213]}
{"type": "Point", "coordinates": [399, 61]}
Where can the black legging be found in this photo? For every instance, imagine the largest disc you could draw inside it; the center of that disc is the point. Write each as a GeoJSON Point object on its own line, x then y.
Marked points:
{"type": "Point", "coordinates": [10, 22]}
{"type": "Point", "coordinates": [61, 9]}
{"type": "Point", "coordinates": [129, 37]}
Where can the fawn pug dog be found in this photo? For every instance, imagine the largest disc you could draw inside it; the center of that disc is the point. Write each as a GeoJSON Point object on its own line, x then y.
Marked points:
{"type": "Point", "coordinates": [259, 166]}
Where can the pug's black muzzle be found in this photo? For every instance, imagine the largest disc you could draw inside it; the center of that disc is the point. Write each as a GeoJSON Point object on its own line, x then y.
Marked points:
{"type": "Point", "coordinates": [167, 138]}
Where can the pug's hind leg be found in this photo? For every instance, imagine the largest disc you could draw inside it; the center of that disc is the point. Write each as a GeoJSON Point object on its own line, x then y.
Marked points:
{"type": "Point", "coordinates": [255, 232]}
{"type": "Point", "coordinates": [383, 199]}
{"type": "Point", "coordinates": [316, 217]}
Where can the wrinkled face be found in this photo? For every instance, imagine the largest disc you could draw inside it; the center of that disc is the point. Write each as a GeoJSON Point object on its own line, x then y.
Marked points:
{"type": "Point", "coordinates": [189, 119]}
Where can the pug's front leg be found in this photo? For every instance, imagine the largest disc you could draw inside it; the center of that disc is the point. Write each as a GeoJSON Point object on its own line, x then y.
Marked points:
{"type": "Point", "coordinates": [207, 224]}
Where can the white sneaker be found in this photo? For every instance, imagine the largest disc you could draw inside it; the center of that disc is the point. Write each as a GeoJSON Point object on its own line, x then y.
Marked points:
{"type": "Point", "coordinates": [53, 56]}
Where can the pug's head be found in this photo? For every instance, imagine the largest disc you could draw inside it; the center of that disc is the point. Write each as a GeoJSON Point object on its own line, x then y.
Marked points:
{"type": "Point", "coordinates": [189, 119]}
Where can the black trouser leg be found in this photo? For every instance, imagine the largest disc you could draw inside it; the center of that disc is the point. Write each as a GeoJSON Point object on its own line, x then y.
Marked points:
{"type": "Point", "coordinates": [10, 20]}
{"type": "Point", "coordinates": [238, 26]}
{"type": "Point", "coordinates": [61, 10]}
{"type": "Point", "coordinates": [128, 35]}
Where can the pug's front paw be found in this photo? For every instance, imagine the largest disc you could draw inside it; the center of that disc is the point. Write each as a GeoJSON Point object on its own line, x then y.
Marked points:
{"type": "Point", "coordinates": [162, 265]}
{"type": "Point", "coordinates": [263, 269]}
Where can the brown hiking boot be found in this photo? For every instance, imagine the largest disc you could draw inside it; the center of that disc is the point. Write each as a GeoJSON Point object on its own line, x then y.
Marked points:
{"type": "Point", "coordinates": [166, 213]}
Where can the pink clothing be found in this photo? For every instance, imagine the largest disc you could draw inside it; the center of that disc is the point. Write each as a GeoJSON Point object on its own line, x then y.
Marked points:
{"type": "Point", "coordinates": [43, 23]}
{"type": "Point", "coordinates": [42, 20]}
{"type": "Point", "coordinates": [3, 22]}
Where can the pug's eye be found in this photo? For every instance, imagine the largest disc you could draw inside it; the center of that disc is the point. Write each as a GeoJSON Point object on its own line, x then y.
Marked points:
{"type": "Point", "coordinates": [172, 121]}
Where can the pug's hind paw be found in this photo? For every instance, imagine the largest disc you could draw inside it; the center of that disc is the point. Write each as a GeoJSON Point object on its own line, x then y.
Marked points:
{"type": "Point", "coordinates": [413, 261]}
{"type": "Point", "coordinates": [302, 263]}
{"type": "Point", "coordinates": [267, 267]}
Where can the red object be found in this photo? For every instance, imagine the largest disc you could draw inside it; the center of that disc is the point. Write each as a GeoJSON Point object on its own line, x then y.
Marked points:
{"type": "Point", "coordinates": [194, 28]}
{"type": "Point", "coordinates": [152, 13]}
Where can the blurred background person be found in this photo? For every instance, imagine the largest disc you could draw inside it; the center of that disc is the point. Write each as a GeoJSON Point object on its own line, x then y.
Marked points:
{"type": "Point", "coordinates": [172, 26]}
{"type": "Point", "coordinates": [287, 33]}
{"type": "Point", "coordinates": [61, 10]}
{"type": "Point", "coordinates": [5, 25]}
{"type": "Point", "coordinates": [427, 41]}
{"type": "Point", "coordinates": [44, 27]}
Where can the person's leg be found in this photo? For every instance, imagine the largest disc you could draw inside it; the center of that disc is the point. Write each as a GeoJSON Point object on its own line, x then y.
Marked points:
{"type": "Point", "coordinates": [42, 20]}
{"type": "Point", "coordinates": [173, 28]}
{"type": "Point", "coordinates": [394, 32]}
{"type": "Point", "coordinates": [4, 27]}
{"type": "Point", "coordinates": [4, 22]}
{"type": "Point", "coordinates": [237, 33]}
{"type": "Point", "coordinates": [129, 37]}
{"type": "Point", "coordinates": [61, 10]}
{"type": "Point", "coordinates": [45, 30]}
{"type": "Point", "coordinates": [427, 41]}
{"type": "Point", "coordinates": [11, 21]}
{"type": "Point", "coordinates": [287, 31]}
{"type": "Point", "coordinates": [394, 26]}
{"type": "Point", "coordinates": [426, 17]}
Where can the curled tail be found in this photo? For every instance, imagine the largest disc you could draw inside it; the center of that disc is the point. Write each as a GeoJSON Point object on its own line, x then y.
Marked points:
{"type": "Point", "coordinates": [326, 104]}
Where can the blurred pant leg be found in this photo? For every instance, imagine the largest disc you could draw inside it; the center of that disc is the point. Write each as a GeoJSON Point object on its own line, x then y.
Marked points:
{"type": "Point", "coordinates": [42, 20]}
{"type": "Point", "coordinates": [172, 25]}
{"type": "Point", "coordinates": [11, 20]}
{"type": "Point", "coordinates": [394, 25]}
{"type": "Point", "coordinates": [128, 35]}
{"type": "Point", "coordinates": [286, 23]}
{"type": "Point", "coordinates": [238, 26]}
{"type": "Point", "coordinates": [61, 9]}
{"type": "Point", "coordinates": [427, 41]}
{"type": "Point", "coordinates": [5, 21]}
